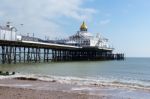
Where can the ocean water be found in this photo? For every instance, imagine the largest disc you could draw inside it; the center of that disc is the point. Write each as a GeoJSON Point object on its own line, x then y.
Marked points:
{"type": "Point", "coordinates": [131, 72]}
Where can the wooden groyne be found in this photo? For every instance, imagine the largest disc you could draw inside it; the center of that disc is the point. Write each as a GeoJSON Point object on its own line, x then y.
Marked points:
{"type": "Point", "coordinates": [26, 52]}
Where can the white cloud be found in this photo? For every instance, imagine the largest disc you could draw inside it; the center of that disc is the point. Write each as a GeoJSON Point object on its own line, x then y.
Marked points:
{"type": "Point", "coordinates": [1, 13]}
{"type": "Point", "coordinates": [43, 16]}
{"type": "Point", "coordinates": [104, 22]}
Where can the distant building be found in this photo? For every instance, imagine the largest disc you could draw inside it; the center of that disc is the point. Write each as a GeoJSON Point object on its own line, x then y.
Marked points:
{"type": "Point", "coordinates": [8, 32]}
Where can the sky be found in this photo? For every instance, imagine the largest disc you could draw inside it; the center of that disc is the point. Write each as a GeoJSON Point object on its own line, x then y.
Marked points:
{"type": "Point", "coordinates": [126, 23]}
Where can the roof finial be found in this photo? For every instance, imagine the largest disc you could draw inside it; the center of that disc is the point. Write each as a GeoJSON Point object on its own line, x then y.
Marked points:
{"type": "Point", "coordinates": [8, 24]}
{"type": "Point", "coordinates": [83, 27]}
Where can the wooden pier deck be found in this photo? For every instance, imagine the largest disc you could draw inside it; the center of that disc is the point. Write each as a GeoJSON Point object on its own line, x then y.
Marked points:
{"type": "Point", "coordinates": [29, 51]}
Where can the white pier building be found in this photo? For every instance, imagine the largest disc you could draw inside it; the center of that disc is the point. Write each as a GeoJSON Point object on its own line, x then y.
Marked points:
{"type": "Point", "coordinates": [8, 32]}
{"type": "Point", "coordinates": [85, 39]}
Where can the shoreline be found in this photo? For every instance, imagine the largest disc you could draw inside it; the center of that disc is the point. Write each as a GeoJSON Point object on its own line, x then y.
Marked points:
{"type": "Point", "coordinates": [34, 89]}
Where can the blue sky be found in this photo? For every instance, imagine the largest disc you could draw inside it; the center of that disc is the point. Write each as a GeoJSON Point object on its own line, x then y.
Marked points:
{"type": "Point", "coordinates": [126, 23]}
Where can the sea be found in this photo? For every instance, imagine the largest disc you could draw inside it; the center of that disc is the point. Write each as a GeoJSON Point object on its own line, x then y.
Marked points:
{"type": "Point", "coordinates": [131, 72]}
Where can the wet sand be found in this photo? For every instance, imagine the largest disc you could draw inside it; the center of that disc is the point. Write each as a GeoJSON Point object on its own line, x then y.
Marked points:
{"type": "Point", "coordinates": [24, 89]}
{"type": "Point", "coordinates": [34, 89]}
{"type": "Point", "coordinates": [21, 93]}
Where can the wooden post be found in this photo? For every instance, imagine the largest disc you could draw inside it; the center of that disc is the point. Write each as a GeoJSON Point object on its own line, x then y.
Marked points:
{"type": "Point", "coordinates": [3, 55]}
{"type": "Point", "coordinates": [19, 54]}
{"type": "Point", "coordinates": [15, 54]}
{"type": "Point", "coordinates": [24, 54]}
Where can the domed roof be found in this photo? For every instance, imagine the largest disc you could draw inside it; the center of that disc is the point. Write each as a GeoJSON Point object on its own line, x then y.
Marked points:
{"type": "Point", "coordinates": [83, 27]}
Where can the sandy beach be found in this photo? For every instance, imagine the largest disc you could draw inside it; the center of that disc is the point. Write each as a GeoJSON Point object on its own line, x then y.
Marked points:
{"type": "Point", "coordinates": [24, 89]}
{"type": "Point", "coordinates": [34, 89]}
{"type": "Point", "coordinates": [22, 93]}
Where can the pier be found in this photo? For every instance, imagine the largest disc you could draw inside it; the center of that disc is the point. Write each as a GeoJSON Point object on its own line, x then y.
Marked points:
{"type": "Point", "coordinates": [29, 51]}
{"type": "Point", "coordinates": [78, 47]}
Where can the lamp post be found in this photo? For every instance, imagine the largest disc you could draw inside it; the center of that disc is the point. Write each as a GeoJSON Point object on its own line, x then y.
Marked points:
{"type": "Point", "coordinates": [21, 29]}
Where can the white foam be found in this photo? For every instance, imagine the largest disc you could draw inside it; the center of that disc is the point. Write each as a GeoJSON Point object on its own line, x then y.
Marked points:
{"type": "Point", "coordinates": [16, 85]}
{"type": "Point", "coordinates": [85, 81]}
{"type": "Point", "coordinates": [82, 88]}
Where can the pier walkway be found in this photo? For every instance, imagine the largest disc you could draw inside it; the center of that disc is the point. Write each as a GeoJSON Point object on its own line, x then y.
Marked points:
{"type": "Point", "coordinates": [30, 51]}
